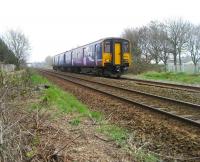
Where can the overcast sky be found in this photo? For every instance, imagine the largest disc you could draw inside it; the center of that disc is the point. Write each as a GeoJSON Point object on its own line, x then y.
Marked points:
{"type": "Point", "coordinates": [54, 26]}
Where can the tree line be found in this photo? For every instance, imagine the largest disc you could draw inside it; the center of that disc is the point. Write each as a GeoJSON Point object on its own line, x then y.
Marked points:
{"type": "Point", "coordinates": [14, 48]}
{"type": "Point", "coordinates": [6, 55]}
{"type": "Point", "coordinates": [158, 41]}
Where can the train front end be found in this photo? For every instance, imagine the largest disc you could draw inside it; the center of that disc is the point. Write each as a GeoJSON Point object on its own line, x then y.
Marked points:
{"type": "Point", "coordinates": [116, 56]}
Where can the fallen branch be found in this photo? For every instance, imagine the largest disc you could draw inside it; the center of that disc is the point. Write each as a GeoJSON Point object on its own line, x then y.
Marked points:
{"type": "Point", "coordinates": [55, 154]}
{"type": "Point", "coordinates": [103, 138]}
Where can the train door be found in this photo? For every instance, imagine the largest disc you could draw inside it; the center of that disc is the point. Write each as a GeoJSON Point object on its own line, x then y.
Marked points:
{"type": "Point", "coordinates": [99, 54]}
{"type": "Point", "coordinates": [95, 54]}
{"type": "Point", "coordinates": [64, 61]}
{"type": "Point", "coordinates": [84, 57]}
{"type": "Point", "coordinates": [117, 57]}
{"type": "Point", "coordinates": [72, 63]}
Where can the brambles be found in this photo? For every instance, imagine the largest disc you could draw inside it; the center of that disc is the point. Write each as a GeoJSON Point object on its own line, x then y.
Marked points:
{"type": "Point", "coordinates": [21, 131]}
{"type": "Point", "coordinates": [1, 78]}
{"type": "Point", "coordinates": [13, 137]}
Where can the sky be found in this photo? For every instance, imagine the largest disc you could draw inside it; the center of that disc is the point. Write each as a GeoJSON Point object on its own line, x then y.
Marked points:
{"type": "Point", "coordinates": [55, 26]}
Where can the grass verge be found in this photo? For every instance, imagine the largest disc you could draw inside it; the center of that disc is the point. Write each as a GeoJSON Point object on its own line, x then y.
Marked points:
{"type": "Point", "coordinates": [64, 101]}
{"type": "Point", "coordinates": [171, 76]}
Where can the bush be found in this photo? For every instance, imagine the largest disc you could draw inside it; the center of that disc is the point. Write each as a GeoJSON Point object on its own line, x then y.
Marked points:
{"type": "Point", "coordinates": [138, 68]}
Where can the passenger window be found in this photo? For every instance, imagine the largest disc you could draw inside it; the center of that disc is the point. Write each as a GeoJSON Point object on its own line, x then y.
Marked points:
{"type": "Point", "coordinates": [84, 51]}
{"type": "Point", "coordinates": [95, 48]}
{"type": "Point", "coordinates": [107, 47]}
{"type": "Point", "coordinates": [125, 47]}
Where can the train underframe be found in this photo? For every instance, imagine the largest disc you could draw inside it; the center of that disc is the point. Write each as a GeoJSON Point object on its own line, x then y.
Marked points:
{"type": "Point", "coordinates": [108, 70]}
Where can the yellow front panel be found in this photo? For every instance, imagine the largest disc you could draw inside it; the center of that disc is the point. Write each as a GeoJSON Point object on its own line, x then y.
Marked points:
{"type": "Point", "coordinates": [127, 58]}
{"type": "Point", "coordinates": [117, 53]}
{"type": "Point", "coordinates": [107, 58]}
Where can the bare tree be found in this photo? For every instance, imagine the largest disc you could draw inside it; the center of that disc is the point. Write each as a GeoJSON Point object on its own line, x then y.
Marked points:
{"type": "Point", "coordinates": [133, 35]}
{"type": "Point", "coordinates": [194, 46]}
{"type": "Point", "coordinates": [144, 44]}
{"type": "Point", "coordinates": [165, 45]}
{"type": "Point", "coordinates": [49, 60]}
{"type": "Point", "coordinates": [158, 40]}
{"type": "Point", "coordinates": [6, 55]}
{"type": "Point", "coordinates": [19, 44]}
{"type": "Point", "coordinates": [178, 36]}
{"type": "Point", "coordinates": [154, 47]}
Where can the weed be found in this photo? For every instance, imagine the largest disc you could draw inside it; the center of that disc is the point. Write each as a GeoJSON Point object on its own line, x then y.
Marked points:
{"type": "Point", "coordinates": [75, 122]}
{"type": "Point", "coordinates": [120, 136]}
{"type": "Point", "coordinates": [141, 155]}
{"type": "Point", "coordinates": [31, 153]}
{"type": "Point", "coordinates": [117, 134]}
{"type": "Point", "coordinates": [36, 140]}
{"type": "Point", "coordinates": [96, 115]}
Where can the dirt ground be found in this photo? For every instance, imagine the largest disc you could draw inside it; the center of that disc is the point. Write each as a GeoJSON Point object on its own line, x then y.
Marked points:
{"type": "Point", "coordinates": [166, 137]}
{"type": "Point", "coordinates": [84, 143]}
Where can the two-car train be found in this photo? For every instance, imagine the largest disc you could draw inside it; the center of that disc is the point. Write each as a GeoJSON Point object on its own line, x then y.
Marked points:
{"type": "Point", "coordinates": [107, 57]}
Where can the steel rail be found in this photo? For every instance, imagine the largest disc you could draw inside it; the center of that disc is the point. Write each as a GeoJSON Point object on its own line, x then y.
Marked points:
{"type": "Point", "coordinates": [188, 88]}
{"type": "Point", "coordinates": [136, 91]}
{"type": "Point", "coordinates": [193, 122]}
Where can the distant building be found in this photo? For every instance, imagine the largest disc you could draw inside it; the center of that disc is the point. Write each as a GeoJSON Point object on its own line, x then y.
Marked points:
{"type": "Point", "coordinates": [7, 67]}
{"type": "Point", "coordinates": [39, 65]}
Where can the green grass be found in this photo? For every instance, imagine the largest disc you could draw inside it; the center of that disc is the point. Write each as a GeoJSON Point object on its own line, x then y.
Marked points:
{"type": "Point", "coordinates": [140, 155]}
{"type": "Point", "coordinates": [37, 79]}
{"type": "Point", "coordinates": [120, 136]}
{"type": "Point", "coordinates": [115, 133]}
{"type": "Point", "coordinates": [171, 76]}
{"type": "Point", "coordinates": [64, 101]}
{"type": "Point", "coordinates": [75, 122]}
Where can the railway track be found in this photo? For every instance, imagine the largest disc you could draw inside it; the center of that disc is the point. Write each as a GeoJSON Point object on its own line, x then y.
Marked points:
{"type": "Point", "coordinates": [173, 86]}
{"type": "Point", "coordinates": [184, 111]}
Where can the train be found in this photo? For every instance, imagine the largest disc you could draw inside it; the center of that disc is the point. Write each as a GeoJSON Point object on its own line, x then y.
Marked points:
{"type": "Point", "coordinates": [105, 57]}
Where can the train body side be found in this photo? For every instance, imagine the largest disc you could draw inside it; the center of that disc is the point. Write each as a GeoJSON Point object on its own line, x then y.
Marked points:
{"type": "Point", "coordinates": [106, 56]}
{"type": "Point", "coordinates": [85, 56]}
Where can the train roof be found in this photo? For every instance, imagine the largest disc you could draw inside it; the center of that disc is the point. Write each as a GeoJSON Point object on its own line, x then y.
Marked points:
{"type": "Point", "coordinates": [100, 40]}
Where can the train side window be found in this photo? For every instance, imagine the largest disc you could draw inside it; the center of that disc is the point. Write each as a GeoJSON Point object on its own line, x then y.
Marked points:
{"type": "Point", "coordinates": [95, 48]}
{"type": "Point", "coordinates": [99, 51]}
{"type": "Point", "coordinates": [84, 51]}
{"type": "Point", "coordinates": [125, 47]}
{"type": "Point", "coordinates": [107, 47]}
{"type": "Point", "coordinates": [71, 54]}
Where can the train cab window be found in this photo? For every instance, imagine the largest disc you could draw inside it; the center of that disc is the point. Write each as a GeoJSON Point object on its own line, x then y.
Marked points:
{"type": "Point", "coordinates": [125, 47]}
{"type": "Point", "coordinates": [107, 47]}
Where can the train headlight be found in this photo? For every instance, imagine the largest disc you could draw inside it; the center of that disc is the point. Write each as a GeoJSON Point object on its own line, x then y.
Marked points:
{"type": "Point", "coordinates": [107, 60]}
